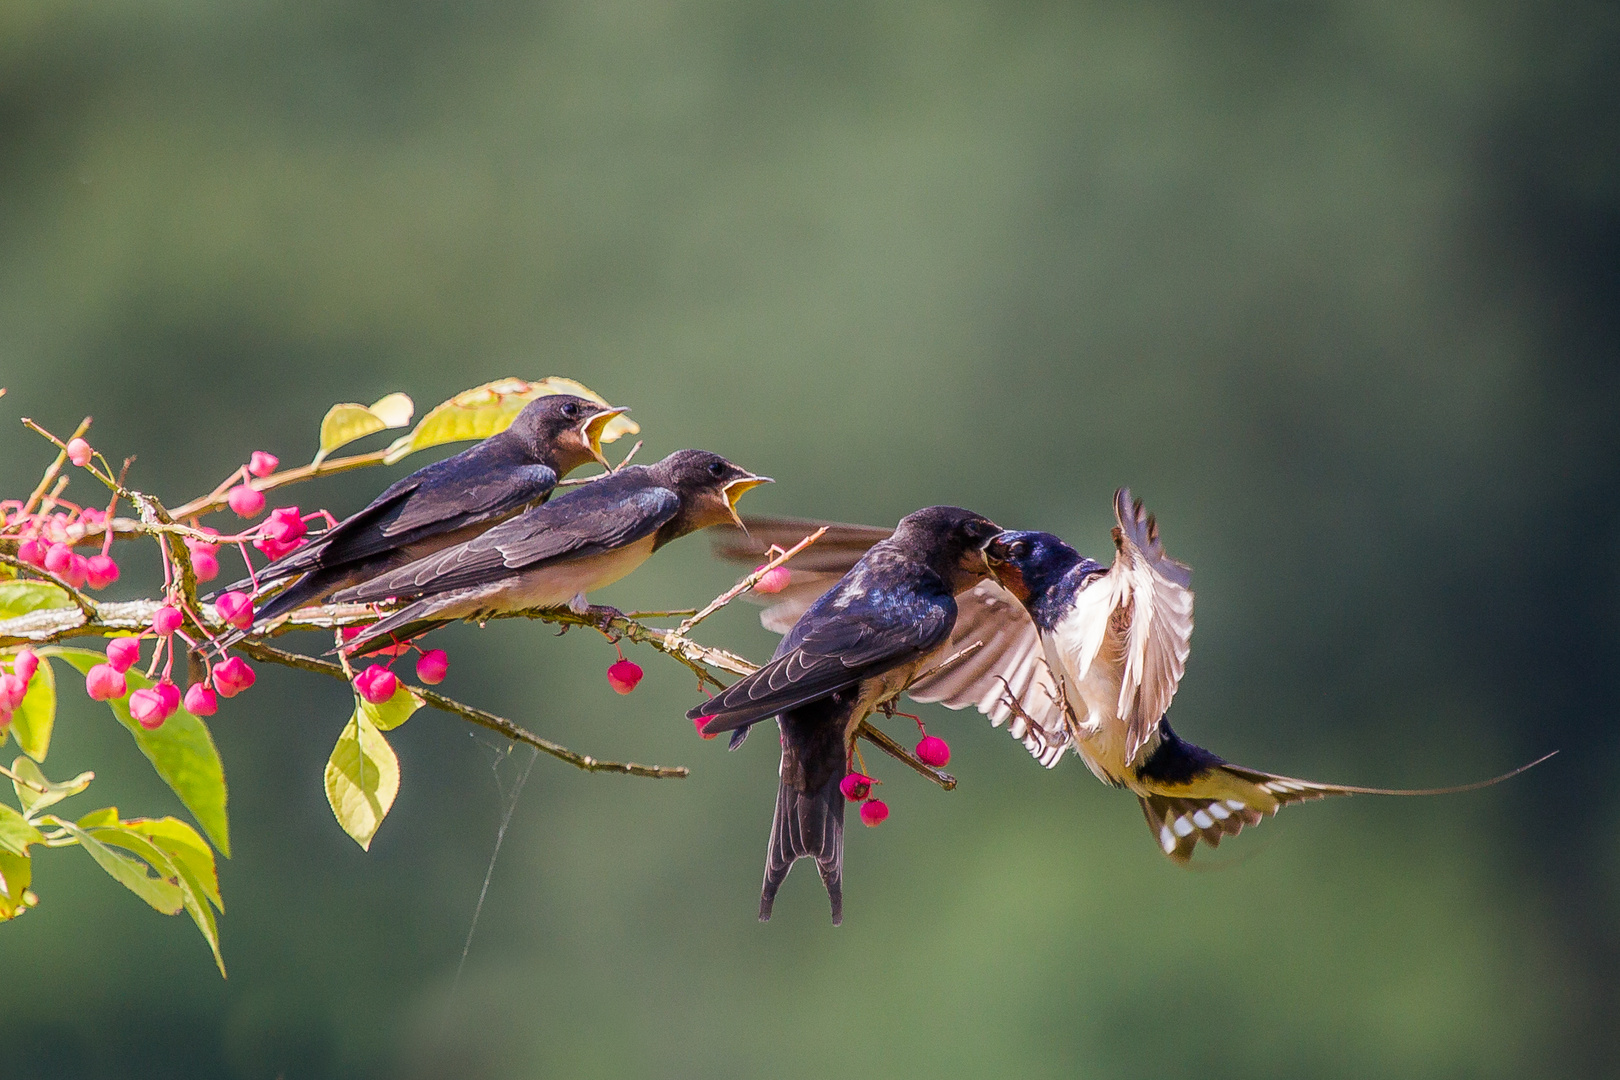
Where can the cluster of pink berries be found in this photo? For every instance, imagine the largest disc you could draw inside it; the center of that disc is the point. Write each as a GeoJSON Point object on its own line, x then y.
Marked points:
{"type": "Point", "coordinates": [377, 683]}
{"type": "Point", "coordinates": [152, 705]}
{"type": "Point", "coordinates": [14, 684]}
{"type": "Point", "coordinates": [46, 542]}
{"type": "Point", "coordinates": [857, 787]}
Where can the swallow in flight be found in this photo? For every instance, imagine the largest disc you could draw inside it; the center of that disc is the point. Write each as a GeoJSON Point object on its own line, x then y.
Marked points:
{"type": "Point", "coordinates": [889, 618]}
{"type": "Point", "coordinates": [556, 553]}
{"type": "Point", "coordinates": [443, 504]}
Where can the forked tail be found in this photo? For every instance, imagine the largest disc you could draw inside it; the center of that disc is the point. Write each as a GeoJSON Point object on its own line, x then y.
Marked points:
{"type": "Point", "coordinates": [807, 825]}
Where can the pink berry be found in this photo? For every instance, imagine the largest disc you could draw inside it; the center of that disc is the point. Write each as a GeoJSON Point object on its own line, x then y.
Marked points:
{"type": "Point", "coordinates": [204, 564]}
{"type": "Point", "coordinates": [57, 558]}
{"type": "Point", "coordinates": [166, 620]}
{"type": "Point", "coordinates": [245, 501]}
{"type": "Point", "coordinates": [32, 552]}
{"type": "Point", "coordinates": [934, 751]}
{"type": "Point", "coordinates": [699, 722]}
{"type": "Point", "coordinates": [77, 572]}
{"type": "Point", "coordinates": [773, 580]}
{"type": "Point", "coordinates": [350, 632]}
{"type": "Point", "coordinates": [123, 653]}
{"type": "Point", "coordinates": [623, 676]}
{"type": "Point", "coordinates": [26, 664]}
{"type": "Point", "coordinates": [151, 706]}
{"type": "Point", "coordinates": [101, 571]}
{"type": "Point", "coordinates": [91, 516]}
{"type": "Point", "coordinates": [855, 786]}
{"type": "Point", "coordinates": [104, 683]}
{"type": "Point", "coordinates": [12, 689]}
{"type": "Point", "coordinates": [200, 700]}
{"type": "Point", "coordinates": [235, 609]}
{"type": "Point", "coordinates": [874, 812]}
{"type": "Point", "coordinates": [262, 464]}
{"type": "Point", "coordinates": [376, 684]}
{"type": "Point", "coordinates": [78, 452]}
{"type": "Point", "coordinates": [233, 676]}
{"type": "Point", "coordinates": [433, 666]}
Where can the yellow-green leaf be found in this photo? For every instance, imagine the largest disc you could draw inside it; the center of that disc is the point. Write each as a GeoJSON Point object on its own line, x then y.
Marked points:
{"type": "Point", "coordinates": [181, 751]}
{"type": "Point", "coordinates": [17, 832]}
{"type": "Point", "coordinates": [362, 778]}
{"type": "Point", "coordinates": [484, 410]}
{"type": "Point", "coordinates": [95, 819]}
{"type": "Point", "coordinates": [32, 722]}
{"type": "Point", "coordinates": [31, 798]}
{"type": "Point", "coordinates": [393, 712]}
{"type": "Point", "coordinates": [188, 851]}
{"type": "Point", "coordinates": [160, 892]}
{"type": "Point", "coordinates": [16, 873]}
{"type": "Point", "coordinates": [179, 871]}
{"type": "Point", "coordinates": [20, 597]}
{"type": "Point", "coordinates": [349, 421]}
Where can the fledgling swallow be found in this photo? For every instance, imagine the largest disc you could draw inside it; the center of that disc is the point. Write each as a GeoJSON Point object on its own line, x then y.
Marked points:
{"type": "Point", "coordinates": [1117, 640]}
{"type": "Point", "coordinates": [864, 640]}
{"type": "Point", "coordinates": [556, 553]}
{"type": "Point", "coordinates": [443, 504]}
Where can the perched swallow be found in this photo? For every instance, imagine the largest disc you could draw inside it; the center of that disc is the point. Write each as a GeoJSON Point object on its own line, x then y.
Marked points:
{"type": "Point", "coordinates": [443, 504]}
{"type": "Point", "coordinates": [1117, 640]}
{"type": "Point", "coordinates": [553, 554]}
{"type": "Point", "coordinates": [864, 640]}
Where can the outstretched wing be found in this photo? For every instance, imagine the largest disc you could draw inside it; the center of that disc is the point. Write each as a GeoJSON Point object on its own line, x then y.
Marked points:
{"type": "Point", "coordinates": [593, 519]}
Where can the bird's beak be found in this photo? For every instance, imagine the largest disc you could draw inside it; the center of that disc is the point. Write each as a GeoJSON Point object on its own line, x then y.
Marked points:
{"type": "Point", "coordinates": [591, 432]}
{"type": "Point", "coordinates": [735, 489]}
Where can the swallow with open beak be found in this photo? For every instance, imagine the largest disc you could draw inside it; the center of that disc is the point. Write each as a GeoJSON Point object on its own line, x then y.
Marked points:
{"type": "Point", "coordinates": [889, 618]}
{"type": "Point", "coordinates": [556, 553]}
{"type": "Point", "coordinates": [1116, 640]}
{"type": "Point", "coordinates": [443, 504]}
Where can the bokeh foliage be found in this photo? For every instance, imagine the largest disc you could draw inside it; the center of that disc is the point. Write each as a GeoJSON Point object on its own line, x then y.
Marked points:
{"type": "Point", "coordinates": [1333, 287]}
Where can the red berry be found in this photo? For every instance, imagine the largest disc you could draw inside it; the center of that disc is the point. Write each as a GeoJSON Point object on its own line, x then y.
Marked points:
{"type": "Point", "coordinates": [166, 620]}
{"type": "Point", "coordinates": [235, 609]}
{"type": "Point", "coordinates": [245, 501]}
{"type": "Point", "coordinates": [623, 676]}
{"type": "Point", "coordinates": [78, 452]}
{"type": "Point", "coordinates": [123, 653]}
{"type": "Point", "coordinates": [699, 722]}
{"type": "Point", "coordinates": [262, 464]}
{"type": "Point", "coordinates": [376, 684]}
{"type": "Point", "coordinates": [774, 580]}
{"type": "Point", "coordinates": [200, 700]}
{"type": "Point", "coordinates": [101, 571]}
{"type": "Point", "coordinates": [233, 676]}
{"type": "Point", "coordinates": [874, 812]}
{"type": "Point", "coordinates": [934, 751]}
{"type": "Point", "coordinates": [855, 786]}
{"type": "Point", "coordinates": [104, 683]}
{"type": "Point", "coordinates": [432, 667]}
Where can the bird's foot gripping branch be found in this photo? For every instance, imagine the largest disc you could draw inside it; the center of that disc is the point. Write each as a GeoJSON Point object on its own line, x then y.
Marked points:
{"type": "Point", "coordinates": [57, 555]}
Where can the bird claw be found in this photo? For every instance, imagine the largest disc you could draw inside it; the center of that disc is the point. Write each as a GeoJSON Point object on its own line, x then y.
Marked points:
{"type": "Point", "coordinates": [602, 616]}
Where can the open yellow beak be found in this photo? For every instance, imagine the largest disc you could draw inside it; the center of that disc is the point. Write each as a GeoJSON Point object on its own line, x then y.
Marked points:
{"type": "Point", "coordinates": [591, 431]}
{"type": "Point", "coordinates": [735, 489]}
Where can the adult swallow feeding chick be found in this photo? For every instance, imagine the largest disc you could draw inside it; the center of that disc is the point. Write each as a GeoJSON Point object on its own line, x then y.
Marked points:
{"type": "Point", "coordinates": [556, 553]}
{"type": "Point", "coordinates": [443, 504]}
{"type": "Point", "coordinates": [1117, 640]}
{"type": "Point", "coordinates": [888, 619]}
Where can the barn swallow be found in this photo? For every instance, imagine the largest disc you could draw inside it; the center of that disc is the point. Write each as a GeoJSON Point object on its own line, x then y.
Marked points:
{"type": "Point", "coordinates": [859, 644]}
{"type": "Point", "coordinates": [443, 504]}
{"type": "Point", "coordinates": [553, 554]}
{"type": "Point", "coordinates": [1117, 639]}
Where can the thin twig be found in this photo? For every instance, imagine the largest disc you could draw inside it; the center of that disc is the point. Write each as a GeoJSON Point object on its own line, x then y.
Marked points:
{"type": "Point", "coordinates": [268, 653]}
{"type": "Point", "coordinates": [55, 466]}
{"type": "Point", "coordinates": [877, 738]}
{"type": "Point", "coordinates": [747, 583]}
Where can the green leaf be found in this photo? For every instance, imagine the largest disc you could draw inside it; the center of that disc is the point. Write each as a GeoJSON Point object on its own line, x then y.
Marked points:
{"type": "Point", "coordinates": [347, 422]}
{"type": "Point", "coordinates": [362, 778]}
{"type": "Point", "coordinates": [33, 800]}
{"type": "Point", "coordinates": [484, 410]}
{"type": "Point", "coordinates": [20, 597]}
{"type": "Point", "coordinates": [34, 718]}
{"type": "Point", "coordinates": [160, 892]}
{"type": "Point", "coordinates": [188, 850]}
{"type": "Point", "coordinates": [182, 751]}
{"type": "Point", "coordinates": [16, 832]}
{"type": "Point", "coordinates": [393, 712]}
{"type": "Point", "coordinates": [16, 873]}
{"type": "Point", "coordinates": [155, 850]}
{"type": "Point", "coordinates": [95, 819]}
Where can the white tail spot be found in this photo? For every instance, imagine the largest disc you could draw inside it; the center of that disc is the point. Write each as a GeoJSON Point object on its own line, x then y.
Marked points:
{"type": "Point", "coordinates": [1234, 804]}
{"type": "Point", "coordinates": [1167, 839]}
{"type": "Point", "coordinates": [1203, 820]}
{"type": "Point", "coordinates": [1182, 826]}
{"type": "Point", "coordinates": [1220, 812]}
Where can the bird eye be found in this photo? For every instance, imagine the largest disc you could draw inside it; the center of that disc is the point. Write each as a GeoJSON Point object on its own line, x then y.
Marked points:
{"type": "Point", "coordinates": [570, 410]}
{"type": "Point", "coordinates": [717, 469]}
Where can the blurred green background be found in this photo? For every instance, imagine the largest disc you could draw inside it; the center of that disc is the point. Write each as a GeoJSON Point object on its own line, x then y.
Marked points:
{"type": "Point", "coordinates": [1334, 287]}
